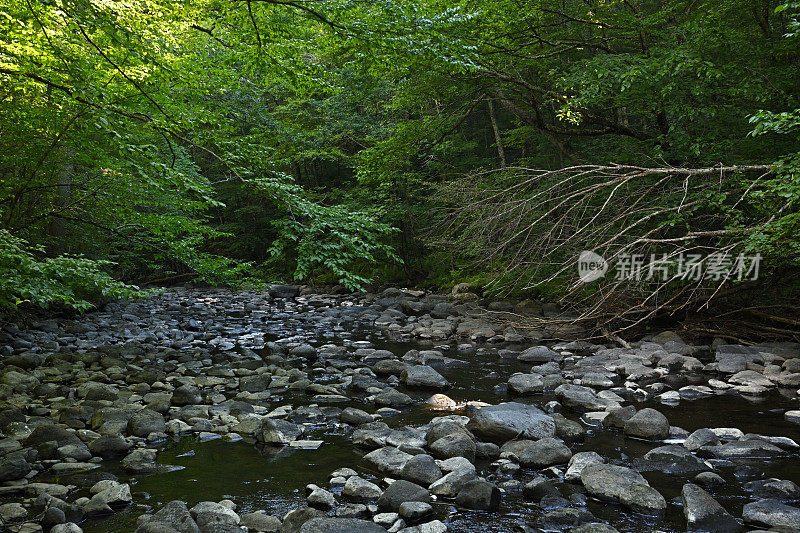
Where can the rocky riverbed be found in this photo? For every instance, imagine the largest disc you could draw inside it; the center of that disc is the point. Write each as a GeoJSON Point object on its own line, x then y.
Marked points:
{"type": "Point", "coordinates": [209, 411]}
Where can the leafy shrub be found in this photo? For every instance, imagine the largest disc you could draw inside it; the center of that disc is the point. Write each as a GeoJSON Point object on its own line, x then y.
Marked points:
{"type": "Point", "coordinates": [71, 281]}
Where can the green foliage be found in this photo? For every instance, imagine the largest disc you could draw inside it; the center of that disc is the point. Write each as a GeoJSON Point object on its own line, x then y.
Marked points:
{"type": "Point", "coordinates": [779, 195]}
{"type": "Point", "coordinates": [335, 239]}
{"type": "Point", "coordinates": [794, 23]}
{"type": "Point", "coordinates": [69, 281]}
{"type": "Point", "coordinates": [320, 140]}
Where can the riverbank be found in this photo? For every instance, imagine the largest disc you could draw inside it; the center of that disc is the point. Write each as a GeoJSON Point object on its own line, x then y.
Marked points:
{"type": "Point", "coordinates": [326, 394]}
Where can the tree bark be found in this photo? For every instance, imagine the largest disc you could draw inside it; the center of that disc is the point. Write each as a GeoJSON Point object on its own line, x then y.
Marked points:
{"type": "Point", "coordinates": [497, 139]}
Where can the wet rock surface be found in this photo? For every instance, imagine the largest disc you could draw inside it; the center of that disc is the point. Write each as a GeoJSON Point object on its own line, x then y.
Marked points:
{"type": "Point", "coordinates": [209, 411]}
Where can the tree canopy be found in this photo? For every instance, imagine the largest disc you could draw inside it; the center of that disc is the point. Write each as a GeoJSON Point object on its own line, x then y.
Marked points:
{"type": "Point", "coordinates": [237, 142]}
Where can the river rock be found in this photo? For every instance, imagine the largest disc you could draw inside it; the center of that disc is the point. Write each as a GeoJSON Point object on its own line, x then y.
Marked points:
{"type": "Point", "coordinates": [260, 521]}
{"type": "Point", "coordinates": [616, 418]}
{"type": "Point", "coordinates": [620, 484]}
{"type": "Point", "coordinates": [451, 483]}
{"type": "Point", "coordinates": [672, 459]}
{"type": "Point", "coordinates": [389, 367]}
{"type": "Point", "coordinates": [115, 496]}
{"type": "Point", "coordinates": [538, 454]}
{"type": "Point", "coordinates": [392, 398]}
{"type": "Point", "coordinates": [704, 513]}
{"type": "Point", "coordinates": [51, 433]}
{"type": "Point", "coordinates": [12, 512]}
{"type": "Point", "coordinates": [423, 377]}
{"type": "Point", "coordinates": [506, 421]}
{"type": "Point", "coordinates": [277, 431]}
{"type": "Point", "coordinates": [454, 445]}
{"type": "Point", "coordinates": [355, 417]}
{"type": "Point", "coordinates": [709, 480]}
{"type": "Point", "coordinates": [538, 488]}
{"type": "Point", "coordinates": [594, 527]}
{"type": "Point", "coordinates": [563, 519]}
{"type": "Point", "coordinates": [340, 525]}
{"type": "Point", "coordinates": [97, 391]}
{"type": "Point", "coordinates": [415, 512]}
{"type": "Point", "coordinates": [387, 460]}
{"type": "Point", "coordinates": [701, 437]}
{"type": "Point", "coordinates": [434, 526]}
{"type": "Point", "coordinates": [68, 527]}
{"type": "Point", "coordinates": [525, 384]}
{"type": "Point", "coordinates": [210, 516]}
{"type": "Point", "coordinates": [568, 430]}
{"type": "Point", "coordinates": [792, 416]}
{"type": "Point", "coordinates": [186, 395]}
{"type": "Point", "coordinates": [111, 420]}
{"type": "Point", "coordinates": [643, 499]}
{"type": "Point", "coordinates": [294, 520]}
{"type": "Point", "coordinates": [647, 424]}
{"type": "Point", "coordinates": [360, 490]}
{"type": "Point", "coordinates": [743, 449]}
{"type": "Point", "coordinates": [402, 491]}
{"type": "Point", "coordinates": [321, 499]}
{"type": "Point", "coordinates": [109, 446]}
{"type": "Point", "coordinates": [284, 291]}
{"type": "Point", "coordinates": [783, 490]}
{"type": "Point", "coordinates": [173, 515]}
{"type": "Point", "coordinates": [13, 467]}
{"type": "Point", "coordinates": [146, 422]}
{"type": "Point", "coordinates": [539, 354]}
{"type": "Point", "coordinates": [582, 398]}
{"type": "Point", "coordinates": [579, 461]}
{"type": "Point", "coordinates": [479, 494]}
{"type": "Point", "coordinates": [421, 469]}
{"type": "Point", "coordinates": [772, 513]}
{"type": "Point", "coordinates": [255, 384]}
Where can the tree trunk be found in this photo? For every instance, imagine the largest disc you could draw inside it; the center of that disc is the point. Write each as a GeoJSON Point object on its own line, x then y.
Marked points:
{"type": "Point", "coordinates": [497, 139]}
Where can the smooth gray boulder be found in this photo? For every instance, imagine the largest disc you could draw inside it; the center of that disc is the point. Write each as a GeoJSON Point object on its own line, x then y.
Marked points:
{"type": "Point", "coordinates": [779, 489]}
{"type": "Point", "coordinates": [421, 469]}
{"type": "Point", "coordinates": [454, 445]}
{"type": "Point", "coordinates": [699, 438]}
{"type": "Point", "coordinates": [579, 461]}
{"type": "Point", "coordinates": [340, 525]}
{"type": "Point", "coordinates": [145, 422]}
{"type": "Point", "coordinates": [743, 449]}
{"type": "Point", "coordinates": [13, 467]}
{"type": "Point", "coordinates": [704, 513]}
{"type": "Point", "coordinates": [525, 384]}
{"type": "Point", "coordinates": [186, 395]}
{"type": "Point", "coordinates": [623, 485]}
{"type": "Point", "coordinates": [415, 512]}
{"type": "Point", "coordinates": [387, 460]}
{"type": "Point", "coordinates": [402, 491]}
{"type": "Point", "coordinates": [479, 494]}
{"type": "Point", "coordinates": [212, 515]}
{"type": "Point", "coordinates": [174, 515]}
{"type": "Point", "coordinates": [770, 512]}
{"type": "Point", "coordinates": [450, 484]}
{"type": "Point", "coordinates": [260, 521]}
{"type": "Point", "coordinates": [672, 459]}
{"type": "Point", "coordinates": [647, 424]}
{"type": "Point", "coordinates": [539, 354]}
{"type": "Point", "coordinates": [511, 420]}
{"type": "Point", "coordinates": [582, 398]}
{"type": "Point", "coordinates": [276, 431]}
{"type": "Point", "coordinates": [538, 454]}
{"type": "Point", "coordinates": [423, 377]}
{"type": "Point", "coordinates": [294, 520]}
{"type": "Point", "coordinates": [359, 490]}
